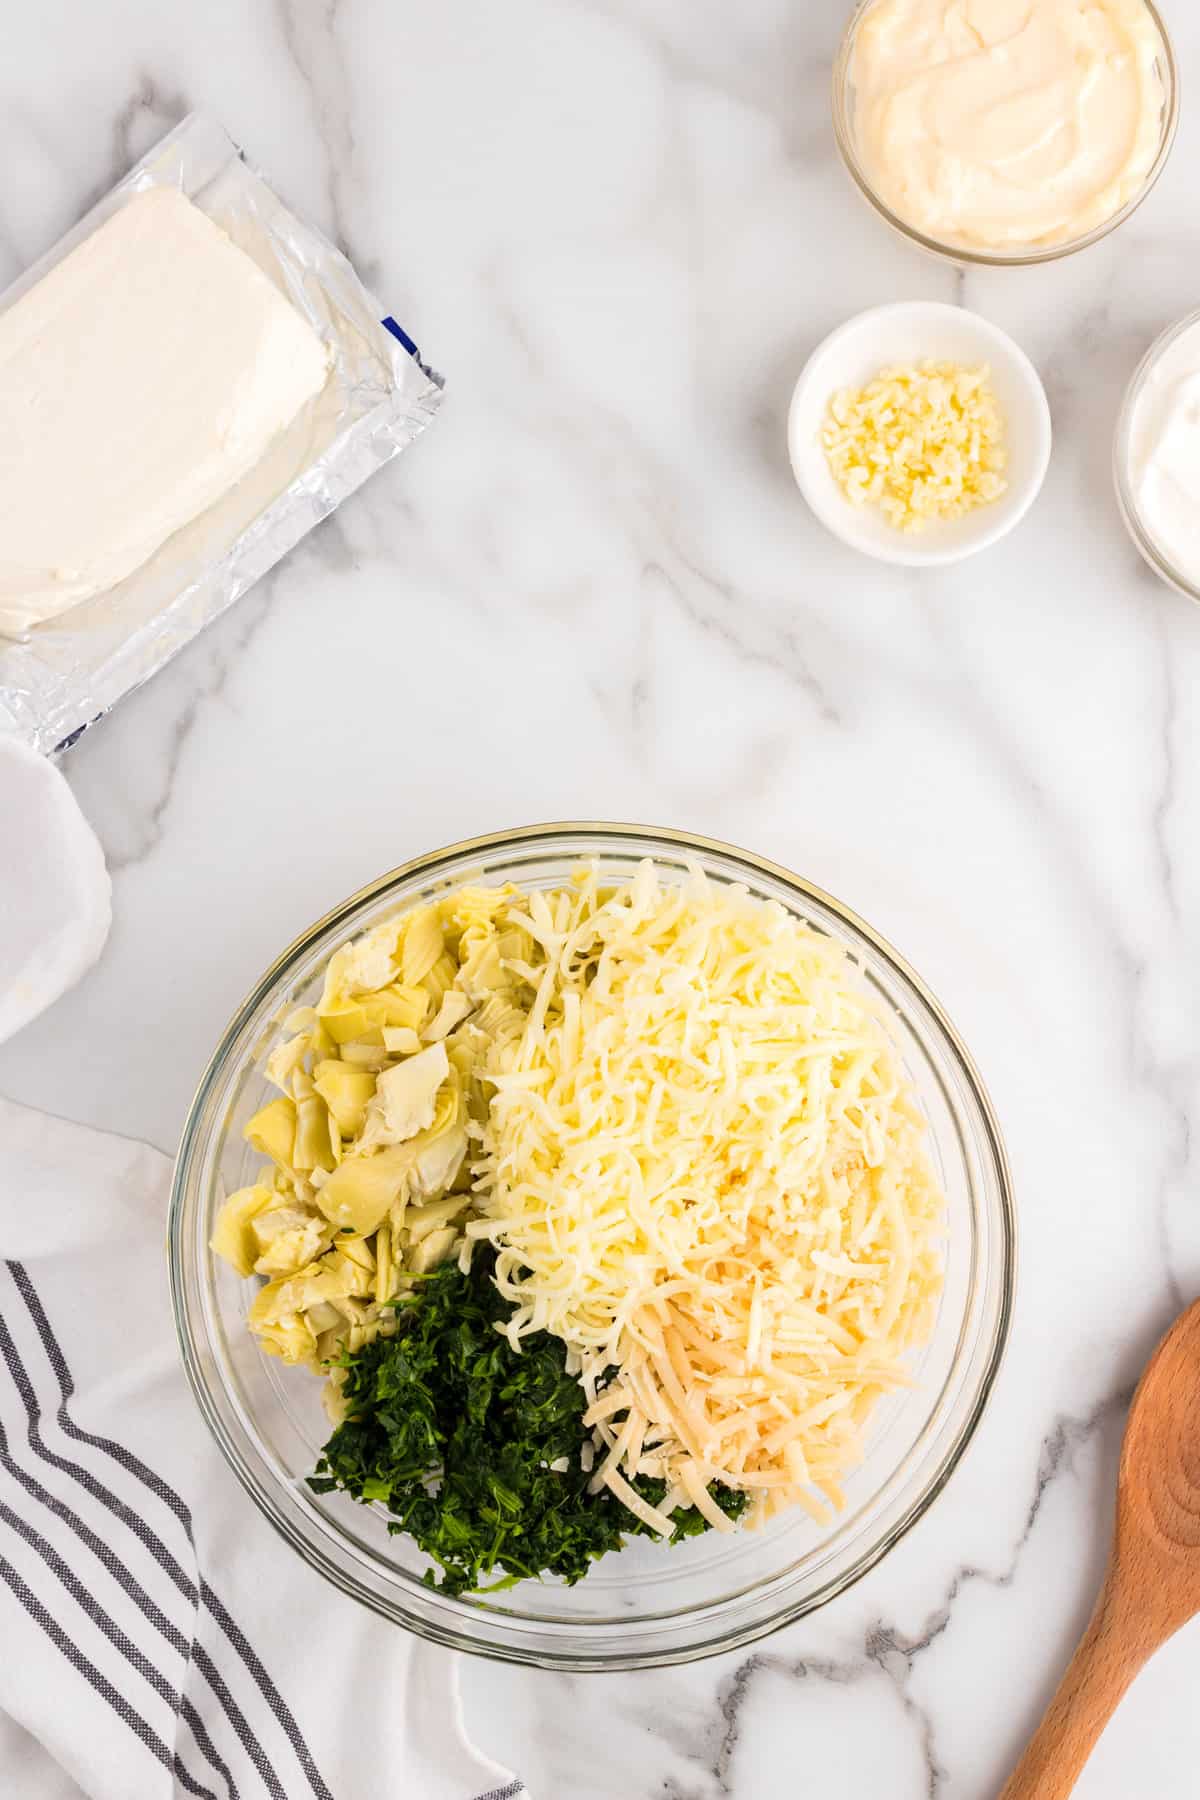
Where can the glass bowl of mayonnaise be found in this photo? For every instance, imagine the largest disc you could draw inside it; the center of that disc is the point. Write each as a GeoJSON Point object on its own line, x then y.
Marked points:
{"type": "Point", "coordinates": [1156, 456]}
{"type": "Point", "coordinates": [1005, 131]}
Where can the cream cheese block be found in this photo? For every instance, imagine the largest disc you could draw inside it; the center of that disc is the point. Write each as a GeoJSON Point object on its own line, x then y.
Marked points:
{"type": "Point", "coordinates": [140, 379]}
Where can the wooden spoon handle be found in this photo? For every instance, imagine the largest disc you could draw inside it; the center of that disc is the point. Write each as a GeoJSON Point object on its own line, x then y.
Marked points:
{"type": "Point", "coordinates": [1108, 1658]}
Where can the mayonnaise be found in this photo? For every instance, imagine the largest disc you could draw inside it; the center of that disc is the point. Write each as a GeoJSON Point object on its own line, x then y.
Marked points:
{"type": "Point", "coordinates": [999, 124]}
{"type": "Point", "coordinates": [1164, 454]}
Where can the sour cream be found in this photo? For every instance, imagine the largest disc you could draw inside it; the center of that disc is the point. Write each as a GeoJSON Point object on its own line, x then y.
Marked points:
{"type": "Point", "coordinates": [1000, 124]}
{"type": "Point", "coordinates": [1164, 453]}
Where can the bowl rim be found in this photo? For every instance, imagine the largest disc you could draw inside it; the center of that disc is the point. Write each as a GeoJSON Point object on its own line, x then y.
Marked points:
{"type": "Point", "coordinates": [906, 553]}
{"type": "Point", "coordinates": [716, 1640]}
{"type": "Point", "coordinates": [1131, 516]}
{"type": "Point", "coordinates": [1027, 256]}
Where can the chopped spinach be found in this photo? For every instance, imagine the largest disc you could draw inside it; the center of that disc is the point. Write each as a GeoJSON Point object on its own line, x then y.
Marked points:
{"type": "Point", "coordinates": [455, 1433]}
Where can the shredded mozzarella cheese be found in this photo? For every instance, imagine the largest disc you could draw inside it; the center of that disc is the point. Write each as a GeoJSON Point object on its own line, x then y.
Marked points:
{"type": "Point", "coordinates": [703, 1168]}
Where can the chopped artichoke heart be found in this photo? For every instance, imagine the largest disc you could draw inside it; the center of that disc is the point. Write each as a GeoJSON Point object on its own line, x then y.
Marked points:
{"type": "Point", "coordinates": [232, 1235]}
{"type": "Point", "coordinates": [400, 1005]}
{"type": "Point", "coordinates": [368, 1054]}
{"type": "Point", "coordinates": [343, 1023]}
{"type": "Point", "coordinates": [371, 963]}
{"type": "Point", "coordinates": [361, 1189]}
{"type": "Point", "coordinates": [390, 1006]}
{"type": "Point", "coordinates": [288, 1238]}
{"type": "Point", "coordinates": [440, 979]}
{"type": "Point", "coordinates": [437, 1248]}
{"type": "Point", "coordinates": [421, 1220]}
{"type": "Point", "coordinates": [383, 1264]}
{"type": "Point", "coordinates": [406, 1097]}
{"type": "Point", "coordinates": [324, 1316]}
{"type": "Point", "coordinates": [273, 1130]}
{"type": "Point", "coordinates": [346, 1093]}
{"type": "Point", "coordinates": [357, 1249]}
{"type": "Point", "coordinates": [422, 946]}
{"type": "Point", "coordinates": [285, 1059]}
{"type": "Point", "coordinates": [436, 1166]}
{"type": "Point", "coordinates": [277, 1316]}
{"type": "Point", "coordinates": [349, 1278]}
{"type": "Point", "coordinates": [482, 972]}
{"type": "Point", "coordinates": [314, 1145]}
{"type": "Point", "coordinates": [451, 1013]}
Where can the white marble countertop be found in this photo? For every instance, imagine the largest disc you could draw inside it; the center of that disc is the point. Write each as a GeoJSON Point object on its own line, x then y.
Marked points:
{"type": "Point", "coordinates": [593, 591]}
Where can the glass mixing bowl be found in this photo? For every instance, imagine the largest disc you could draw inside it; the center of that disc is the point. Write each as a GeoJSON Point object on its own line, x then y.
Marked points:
{"type": "Point", "coordinates": [648, 1604]}
{"type": "Point", "coordinates": [1021, 255]}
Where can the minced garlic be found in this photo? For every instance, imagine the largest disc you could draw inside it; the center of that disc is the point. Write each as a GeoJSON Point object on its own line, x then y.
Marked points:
{"type": "Point", "coordinates": [925, 442]}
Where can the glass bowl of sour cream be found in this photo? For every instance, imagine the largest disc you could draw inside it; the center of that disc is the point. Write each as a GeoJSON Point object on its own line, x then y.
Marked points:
{"type": "Point", "coordinates": [1000, 134]}
{"type": "Point", "coordinates": [1156, 456]}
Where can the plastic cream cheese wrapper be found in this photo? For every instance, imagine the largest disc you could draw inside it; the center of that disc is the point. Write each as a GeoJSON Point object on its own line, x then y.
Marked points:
{"type": "Point", "coordinates": [65, 673]}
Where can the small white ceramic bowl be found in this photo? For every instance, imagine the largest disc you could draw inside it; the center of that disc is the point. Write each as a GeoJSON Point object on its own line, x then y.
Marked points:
{"type": "Point", "coordinates": [914, 331]}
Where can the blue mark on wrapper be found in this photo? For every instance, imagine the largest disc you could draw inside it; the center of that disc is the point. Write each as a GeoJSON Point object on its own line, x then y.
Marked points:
{"type": "Point", "coordinates": [398, 331]}
{"type": "Point", "coordinates": [401, 336]}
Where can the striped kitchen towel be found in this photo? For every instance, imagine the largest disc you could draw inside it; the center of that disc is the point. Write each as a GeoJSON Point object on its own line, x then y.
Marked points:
{"type": "Point", "coordinates": [159, 1638]}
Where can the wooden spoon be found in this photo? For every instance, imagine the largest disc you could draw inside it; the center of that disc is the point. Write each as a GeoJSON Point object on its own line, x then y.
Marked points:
{"type": "Point", "coordinates": [1152, 1584]}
